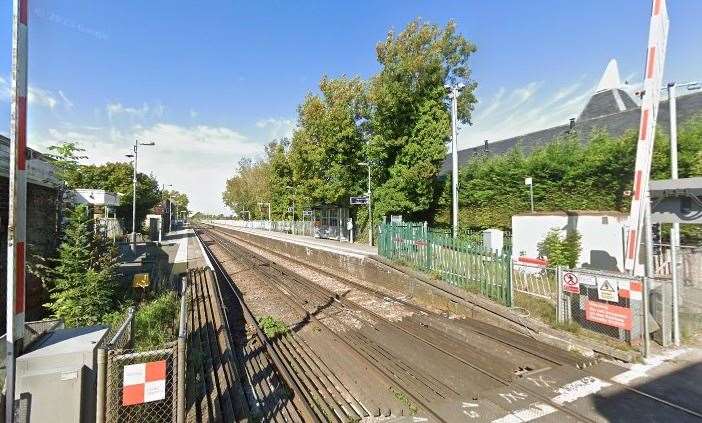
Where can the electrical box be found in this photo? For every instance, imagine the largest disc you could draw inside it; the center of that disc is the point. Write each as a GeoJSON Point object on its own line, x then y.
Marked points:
{"type": "Point", "coordinates": [57, 376]}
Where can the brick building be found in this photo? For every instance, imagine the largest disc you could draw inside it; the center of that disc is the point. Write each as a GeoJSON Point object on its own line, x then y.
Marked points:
{"type": "Point", "coordinates": [42, 213]}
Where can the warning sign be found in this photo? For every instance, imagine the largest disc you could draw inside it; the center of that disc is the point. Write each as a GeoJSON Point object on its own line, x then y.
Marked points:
{"type": "Point", "coordinates": [144, 382]}
{"type": "Point", "coordinates": [608, 314]}
{"type": "Point", "coordinates": [141, 280]}
{"type": "Point", "coordinates": [607, 289]}
{"type": "Point", "coordinates": [570, 283]}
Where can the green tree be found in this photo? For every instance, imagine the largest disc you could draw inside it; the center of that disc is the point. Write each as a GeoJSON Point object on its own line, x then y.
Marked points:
{"type": "Point", "coordinates": [117, 177]}
{"type": "Point", "coordinates": [561, 251]}
{"type": "Point", "coordinates": [66, 158]}
{"type": "Point", "coordinates": [83, 287]}
{"type": "Point", "coordinates": [410, 120]}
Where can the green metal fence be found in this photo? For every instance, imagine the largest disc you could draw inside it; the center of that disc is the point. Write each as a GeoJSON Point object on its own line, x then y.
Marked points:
{"type": "Point", "coordinates": [457, 261]}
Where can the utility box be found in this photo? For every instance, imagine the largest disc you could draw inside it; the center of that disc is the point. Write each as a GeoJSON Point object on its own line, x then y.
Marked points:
{"type": "Point", "coordinates": [493, 240]}
{"type": "Point", "coordinates": [57, 376]}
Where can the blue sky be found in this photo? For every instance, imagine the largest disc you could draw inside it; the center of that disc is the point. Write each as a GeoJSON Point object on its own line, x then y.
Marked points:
{"type": "Point", "coordinates": [212, 81]}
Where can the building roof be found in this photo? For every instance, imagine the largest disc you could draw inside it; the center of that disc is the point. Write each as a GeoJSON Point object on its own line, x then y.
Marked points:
{"type": "Point", "coordinates": [610, 109]}
{"type": "Point", "coordinates": [39, 170]}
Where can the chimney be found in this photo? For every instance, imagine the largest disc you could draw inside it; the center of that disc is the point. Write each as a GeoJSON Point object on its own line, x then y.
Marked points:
{"type": "Point", "coordinates": [486, 146]}
{"type": "Point", "coordinates": [572, 124]}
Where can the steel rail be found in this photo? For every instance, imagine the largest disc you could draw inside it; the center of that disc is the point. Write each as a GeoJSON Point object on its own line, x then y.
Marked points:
{"type": "Point", "coordinates": [487, 373]}
{"type": "Point", "coordinates": [299, 306]}
{"type": "Point", "coordinates": [302, 405]}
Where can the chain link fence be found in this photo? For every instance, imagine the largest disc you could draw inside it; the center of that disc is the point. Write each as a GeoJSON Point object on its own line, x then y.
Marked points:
{"type": "Point", "coordinates": [602, 306]}
{"type": "Point", "coordinates": [142, 386]}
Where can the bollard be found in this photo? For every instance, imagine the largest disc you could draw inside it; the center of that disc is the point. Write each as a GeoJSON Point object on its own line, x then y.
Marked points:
{"type": "Point", "coordinates": [100, 396]}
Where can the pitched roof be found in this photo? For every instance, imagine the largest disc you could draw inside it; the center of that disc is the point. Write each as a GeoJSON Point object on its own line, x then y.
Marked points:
{"type": "Point", "coordinates": [603, 111]}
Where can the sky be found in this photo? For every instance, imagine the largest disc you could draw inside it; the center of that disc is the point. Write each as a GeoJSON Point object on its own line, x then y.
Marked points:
{"type": "Point", "coordinates": [210, 82]}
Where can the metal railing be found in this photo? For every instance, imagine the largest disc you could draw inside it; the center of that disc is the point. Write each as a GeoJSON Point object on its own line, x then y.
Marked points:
{"type": "Point", "coordinates": [454, 260]}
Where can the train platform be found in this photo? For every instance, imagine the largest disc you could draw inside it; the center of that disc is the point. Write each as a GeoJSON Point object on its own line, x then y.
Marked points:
{"type": "Point", "coordinates": [330, 245]}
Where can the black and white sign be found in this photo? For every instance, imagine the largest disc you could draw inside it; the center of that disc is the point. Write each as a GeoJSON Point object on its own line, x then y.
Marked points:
{"type": "Point", "coordinates": [359, 200]}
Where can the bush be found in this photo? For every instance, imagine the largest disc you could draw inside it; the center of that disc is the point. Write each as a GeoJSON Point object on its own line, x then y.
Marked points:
{"type": "Point", "coordinates": [561, 252]}
{"type": "Point", "coordinates": [156, 321]}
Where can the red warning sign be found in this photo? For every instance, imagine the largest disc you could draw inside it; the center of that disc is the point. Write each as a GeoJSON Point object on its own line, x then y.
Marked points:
{"type": "Point", "coordinates": [570, 283]}
{"type": "Point", "coordinates": [608, 314]}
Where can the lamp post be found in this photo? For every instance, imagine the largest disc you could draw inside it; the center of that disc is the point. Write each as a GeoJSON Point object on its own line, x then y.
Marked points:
{"type": "Point", "coordinates": [453, 92]}
{"type": "Point", "coordinates": [530, 181]}
{"type": "Point", "coordinates": [675, 230]}
{"type": "Point", "coordinates": [134, 183]}
{"type": "Point", "coordinates": [293, 207]}
{"type": "Point", "coordinates": [370, 214]}
{"type": "Point", "coordinates": [170, 205]}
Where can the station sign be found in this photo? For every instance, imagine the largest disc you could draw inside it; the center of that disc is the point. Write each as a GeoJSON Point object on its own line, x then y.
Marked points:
{"type": "Point", "coordinates": [359, 200]}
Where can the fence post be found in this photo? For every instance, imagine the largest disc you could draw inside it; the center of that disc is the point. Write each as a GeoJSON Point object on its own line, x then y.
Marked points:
{"type": "Point", "coordinates": [100, 396]}
{"type": "Point", "coordinates": [559, 294]}
{"type": "Point", "coordinates": [181, 380]}
{"type": "Point", "coordinates": [644, 322]}
{"type": "Point", "coordinates": [510, 281]}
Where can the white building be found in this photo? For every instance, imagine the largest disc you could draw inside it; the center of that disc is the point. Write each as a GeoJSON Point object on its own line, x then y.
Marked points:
{"type": "Point", "coordinates": [103, 206]}
{"type": "Point", "coordinates": [602, 236]}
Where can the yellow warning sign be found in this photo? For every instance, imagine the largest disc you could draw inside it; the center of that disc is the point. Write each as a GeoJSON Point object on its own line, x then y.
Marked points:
{"type": "Point", "coordinates": [607, 289]}
{"type": "Point", "coordinates": [141, 280]}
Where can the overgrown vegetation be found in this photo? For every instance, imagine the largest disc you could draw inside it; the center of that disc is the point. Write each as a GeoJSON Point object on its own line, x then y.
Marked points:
{"type": "Point", "coordinates": [82, 285]}
{"type": "Point", "coordinates": [567, 175]}
{"type": "Point", "coordinates": [156, 321]}
{"type": "Point", "coordinates": [561, 251]}
{"type": "Point", "coordinates": [272, 326]}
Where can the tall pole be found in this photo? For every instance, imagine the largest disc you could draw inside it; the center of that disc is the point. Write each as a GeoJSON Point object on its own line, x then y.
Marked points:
{"type": "Point", "coordinates": [531, 195]}
{"type": "Point", "coordinates": [454, 157]}
{"type": "Point", "coordinates": [370, 214]}
{"type": "Point", "coordinates": [17, 210]}
{"type": "Point", "coordinates": [675, 231]}
{"type": "Point", "coordinates": [134, 184]}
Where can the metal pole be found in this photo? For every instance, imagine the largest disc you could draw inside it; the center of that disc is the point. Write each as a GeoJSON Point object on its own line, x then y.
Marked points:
{"type": "Point", "coordinates": [181, 381]}
{"type": "Point", "coordinates": [531, 195]}
{"type": "Point", "coordinates": [649, 270]}
{"type": "Point", "coordinates": [559, 294]}
{"type": "Point", "coordinates": [675, 231]}
{"type": "Point", "coordinates": [134, 184]}
{"type": "Point", "coordinates": [370, 214]}
{"type": "Point", "coordinates": [454, 158]}
{"type": "Point", "coordinates": [17, 202]}
{"type": "Point", "coordinates": [101, 374]}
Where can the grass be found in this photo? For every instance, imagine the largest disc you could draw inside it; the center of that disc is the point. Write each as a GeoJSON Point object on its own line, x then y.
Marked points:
{"type": "Point", "coordinates": [155, 322]}
{"type": "Point", "coordinates": [273, 327]}
{"type": "Point", "coordinates": [402, 397]}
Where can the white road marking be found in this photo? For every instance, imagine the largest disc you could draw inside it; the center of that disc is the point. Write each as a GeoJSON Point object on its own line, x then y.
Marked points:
{"type": "Point", "coordinates": [535, 411]}
{"type": "Point", "coordinates": [578, 389]}
{"type": "Point", "coordinates": [641, 370]}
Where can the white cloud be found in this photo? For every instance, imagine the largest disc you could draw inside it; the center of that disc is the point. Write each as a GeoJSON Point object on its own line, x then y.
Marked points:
{"type": "Point", "coordinates": [4, 89]}
{"type": "Point", "coordinates": [194, 114]}
{"type": "Point", "coordinates": [116, 109]}
{"type": "Point", "coordinates": [42, 97]}
{"type": "Point", "coordinates": [276, 127]}
{"type": "Point", "coordinates": [68, 103]}
{"type": "Point", "coordinates": [196, 159]}
{"type": "Point", "coordinates": [37, 96]}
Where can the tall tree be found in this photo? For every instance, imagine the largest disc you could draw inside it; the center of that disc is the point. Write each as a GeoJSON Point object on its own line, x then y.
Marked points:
{"type": "Point", "coordinates": [82, 287]}
{"type": "Point", "coordinates": [330, 142]}
{"type": "Point", "coordinates": [410, 120]}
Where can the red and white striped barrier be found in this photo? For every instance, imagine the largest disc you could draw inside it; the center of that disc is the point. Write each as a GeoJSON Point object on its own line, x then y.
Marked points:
{"type": "Point", "coordinates": [655, 59]}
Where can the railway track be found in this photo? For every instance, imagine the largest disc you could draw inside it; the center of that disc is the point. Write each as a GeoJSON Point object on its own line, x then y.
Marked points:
{"type": "Point", "coordinates": [425, 327]}
{"type": "Point", "coordinates": [423, 390]}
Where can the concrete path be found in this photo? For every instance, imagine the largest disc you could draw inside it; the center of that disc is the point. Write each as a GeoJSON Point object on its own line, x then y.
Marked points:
{"type": "Point", "coordinates": [317, 243]}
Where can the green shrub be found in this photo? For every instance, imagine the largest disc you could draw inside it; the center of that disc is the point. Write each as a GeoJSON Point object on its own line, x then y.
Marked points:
{"type": "Point", "coordinates": [156, 321]}
{"type": "Point", "coordinates": [272, 327]}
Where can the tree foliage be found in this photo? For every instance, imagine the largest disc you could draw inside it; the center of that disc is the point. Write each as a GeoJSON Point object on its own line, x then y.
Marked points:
{"type": "Point", "coordinates": [82, 285]}
{"type": "Point", "coordinates": [567, 175]}
{"type": "Point", "coordinates": [561, 251]}
{"type": "Point", "coordinates": [398, 121]}
{"type": "Point", "coordinates": [117, 177]}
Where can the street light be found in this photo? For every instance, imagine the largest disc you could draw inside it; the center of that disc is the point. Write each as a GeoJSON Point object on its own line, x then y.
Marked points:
{"type": "Point", "coordinates": [370, 215]}
{"type": "Point", "coordinates": [530, 181]}
{"type": "Point", "coordinates": [453, 92]}
{"type": "Point", "coordinates": [270, 223]}
{"type": "Point", "coordinates": [134, 183]}
{"type": "Point", "coordinates": [170, 206]}
{"type": "Point", "coordinates": [293, 207]}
